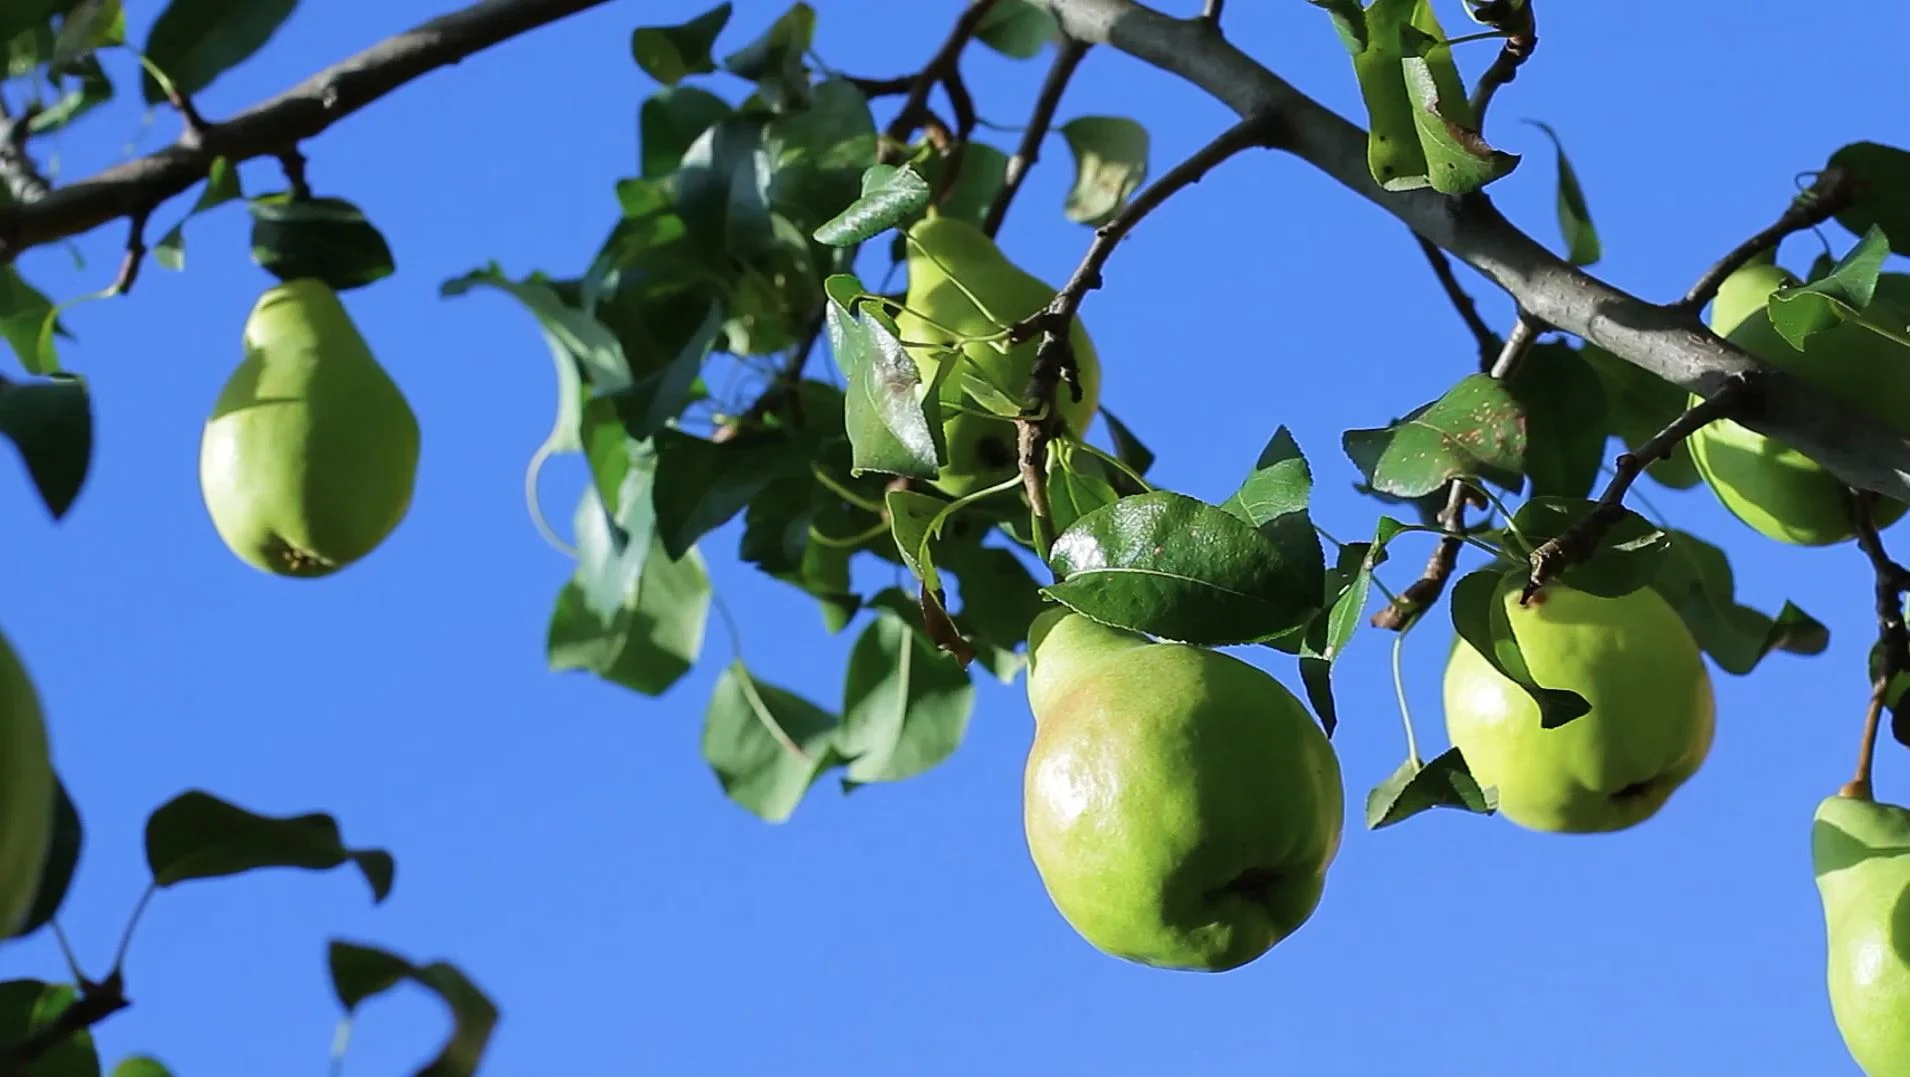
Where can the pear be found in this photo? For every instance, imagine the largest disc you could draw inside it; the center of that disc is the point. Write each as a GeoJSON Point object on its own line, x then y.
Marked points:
{"type": "Point", "coordinates": [1860, 852]}
{"type": "Point", "coordinates": [27, 794]}
{"type": "Point", "coordinates": [1649, 729]}
{"type": "Point", "coordinates": [1180, 805]}
{"type": "Point", "coordinates": [1776, 490]}
{"type": "Point", "coordinates": [952, 266]}
{"type": "Point", "coordinates": [308, 461]}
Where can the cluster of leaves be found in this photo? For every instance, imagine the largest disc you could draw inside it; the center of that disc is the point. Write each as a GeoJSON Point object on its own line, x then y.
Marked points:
{"type": "Point", "coordinates": [199, 836]}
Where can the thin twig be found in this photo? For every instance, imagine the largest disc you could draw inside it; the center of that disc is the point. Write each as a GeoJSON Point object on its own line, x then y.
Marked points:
{"type": "Point", "coordinates": [1831, 192]}
{"type": "Point", "coordinates": [1522, 37]}
{"type": "Point", "coordinates": [1418, 596]}
{"type": "Point", "coordinates": [1893, 639]}
{"type": "Point", "coordinates": [266, 129]}
{"type": "Point", "coordinates": [1054, 359]}
{"type": "Point", "coordinates": [1462, 301]}
{"type": "Point", "coordinates": [135, 252]}
{"type": "Point", "coordinates": [292, 162]}
{"type": "Point", "coordinates": [873, 88]}
{"type": "Point", "coordinates": [914, 108]}
{"type": "Point", "coordinates": [1577, 542]}
{"type": "Point", "coordinates": [1210, 14]}
{"type": "Point", "coordinates": [1067, 57]}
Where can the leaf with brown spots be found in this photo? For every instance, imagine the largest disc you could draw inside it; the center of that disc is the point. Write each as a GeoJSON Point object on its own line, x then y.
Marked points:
{"type": "Point", "coordinates": [1476, 429]}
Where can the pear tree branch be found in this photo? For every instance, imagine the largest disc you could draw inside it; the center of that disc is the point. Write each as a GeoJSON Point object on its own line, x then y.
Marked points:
{"type": "Point", "coordinates": [1577, 542]}
{"type": "Point", "coordinates": [1462, 302]}
{"type": "Point", "coordinates": [1054, 358]}
{"type": "Point", "coordinates": [96, 1002]}
{"type": "Point", "coordinates": [1667, 340]}
{"type": "Point", "coordinates": [1833, 190]}
{"type": "Point", "coordinates": [1068, 56]}
{"type": "Point", "coordinates": [1418, 596]}
{"type": "Point", "coordinates": [1893, 639]}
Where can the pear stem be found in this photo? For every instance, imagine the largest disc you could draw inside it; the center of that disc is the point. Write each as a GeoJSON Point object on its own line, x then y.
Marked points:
{"type": "Point", "coordinates": [1859, 787]}
{"type": "Point", "coordinates": [1399, 690]}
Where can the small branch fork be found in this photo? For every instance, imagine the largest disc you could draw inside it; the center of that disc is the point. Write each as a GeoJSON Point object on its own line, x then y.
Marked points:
{"type": "Point", "coordinates": [1054, 358]}
{"type": "Point", "coordinates": [1419, 595]}
{"type": "Point", "coordinates": [1829, 194]}
{"type": "Point", "coordinates": [1522, 37]}
{"type": "Point", "coordinates": [1739, 395]}
{"type": "Point", "coordinates": [1068, 56]}
{"type": "Point", "coordinates": [940, 69]}
{"type": "Point", "coordinates": [1893, 639]}
{"type": "Point", "coordinates": [96, 1002]}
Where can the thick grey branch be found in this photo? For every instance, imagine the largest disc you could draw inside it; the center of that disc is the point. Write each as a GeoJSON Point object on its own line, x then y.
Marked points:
{"type": "Point", "coordinates": [1664, 339]}
{"type": "Point", "coordinates": [277, 125]}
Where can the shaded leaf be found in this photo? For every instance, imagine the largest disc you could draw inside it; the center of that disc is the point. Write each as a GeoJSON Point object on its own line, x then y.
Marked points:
{"type": "Point", "coordinates": [818, 156]}
{"type": "Point", "coordinates": [1475, 428]}
{"type": "Point", "coordinates": [1628, 555]}
{"type": "Point", "coordinates": [63, 856]}
{"type": "Point", "coordinates": [774, 61]}
{"type": "Point", "coordinates": [1127, 448]}
{"type": "Point", "coordinates": [327, 238]}
{"type": "Point", "coordinates": [1446, 782]}
{"type": "Point", "coordinates": [669, 123]}
{"type": "Point", "coordinates": [1110, 164]}
{"type": "Point", "coordinates": [28, 1007]}
{"type": "Point", "coordinates": [701, 484]}
{"type": "Point", "coordinates": [906, 704]}
{"type": "Point", "coordinates": [1017, 29]}
{"type": "Point", "coordinates": [1564, 403]}
{"type": "Point", "coordinates": [766, 744]}
{"type": "Point", "coordinates": [1842, 294]}
{"type": "Point", "coordinates": [1884, 200]}
{"type": "Point", "coordinates": [670, 54]}
{"type": "Point", "coordinates": [1575, 220]}
{"type": "Point", "coordinates": [1077, 485]}
{"type": "Point", "coordinates": [198, 836]}
{"type": "Point", "coordinates": [51, 424]}
{"type": "Point", "coordinates": [1638, 404]}
{"type": "Point", "coordinates": [360, 972]}
{"type": "Point", "coordinates": [1479, 616]}
{"type": "Point", "coordinates": [1696, 579]}
{"type": "Point", "coordinates": [195, 41]}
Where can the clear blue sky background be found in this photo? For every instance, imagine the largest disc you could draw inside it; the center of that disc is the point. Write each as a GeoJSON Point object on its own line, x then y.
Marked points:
{"type": "Point", "coordinates": [561, 839]}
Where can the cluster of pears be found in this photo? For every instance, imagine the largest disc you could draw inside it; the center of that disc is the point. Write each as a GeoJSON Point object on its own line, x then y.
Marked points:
{"type": "Point", "coordinates": [27, 792]}
{"type": "Point", "coordinates": [1778, 491]}
{"type": "Point", "coordinates": [1182, 807]}
{"type": "Point", "coordinates": [962, 290]}
{"type": "Point", "coordinates": [309, 458]}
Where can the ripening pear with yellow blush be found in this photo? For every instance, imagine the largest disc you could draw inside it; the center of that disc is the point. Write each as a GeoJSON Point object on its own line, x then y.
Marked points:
{"type": "Point", "coordinates": [962, 286]}
{"type": "Point", "coordinates": [308, 461]}
{"type": "Point", "coordinates": [1181, 806]}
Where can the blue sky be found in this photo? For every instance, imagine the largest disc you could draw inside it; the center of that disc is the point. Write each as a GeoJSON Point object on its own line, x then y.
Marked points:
{"type": "Point", "coordinates": [561, 840]}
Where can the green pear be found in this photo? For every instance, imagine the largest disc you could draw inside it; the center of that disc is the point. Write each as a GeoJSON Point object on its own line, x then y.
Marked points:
{"type": "Point", "coordinates": [1860, 852]}
{"type": "Point", "coordinates": [1778, 491]}
{"type": "Point", "coordinates": [954, 266]}
{"type": "Point", "coordinates": [1648, 731]}
{"type": "Point", "coordinates": [26, 792]}
{"type": "Point", "coordinates": [308, 461]}
{"type": "Point", "coordinates": [1180, 805]}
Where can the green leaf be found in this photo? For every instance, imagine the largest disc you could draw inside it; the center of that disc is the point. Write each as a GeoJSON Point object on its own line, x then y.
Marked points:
{"type": "Point", "coordinates": [1638, 404]}
{"type": "Point", "coordinates": [28, 1007]}
{"type": "Point", "coordinates": [1479, 616]}
{"type": "Point", "coordinates": [766, 744]}
{"type": "Point", "coordinates": [892, 420]}
{"type": "Point", "coordinates": [1840, 295]}
{"type": "Point", "coordinates": [195, 41]}
{"type": "Point", "coordinates": [90, 88]}
{"type": "Point", "coordinates": [1893, 693]}
{"type": "Point", "coordinates": [1127, 448]}
{"type": "Point", "coordinates": [1000, 599]}
{"type": "Point", "coordinates": [141, 1066]}
{"type": "Point", "coordinates": [23, 310]}
{"type": "Point", "coordinates": [63, 856]}
{"type": "Point", "coordinates": [1476, 428]}
{"type": "Point", "coordinates": [198, 836]}
{"type": "Point", "coordinates": [701, 484]}
{"type": "Point", "coordinates": [774, 61]}
{"type": "Point", "coordinates": [222, 186]}
{"type": "Point", "coordinates": [905, 705]}
{"type": "Point", "coordinates": [890, 195]}
{"type": "Point", "coordinates": [1446, 782]}
{"type": "Point", "coordinates": [1628, 555]}
{"type": "Point", "coordinates": [1017, 29]}
{"type": "Point", "coordinates": [1696, 579]}
{"type": "Point", "coordinates": [1110, 164]}
{"type": "Point", "coordinates": [981, 173]}
{"type": "Point", "coordinates": [1171, 566]}
{"type": "Point", "coordinates": [817, 156]}
{"type": "Point", "coordinates": [911, 515]}
{"type": "Point", "coordinates": [87, 26]}
{"type": "Point", "coordinates": [1884, 200]}
{"type": "Point", "coordinates": [669, 123]}
{"type": "Point", "coordinates": [1077, 485]}
{"type": "Point", "coordinates": [327, 238]}
{"type": "Point", "coordinates": [51, 423]}
{"type": "Point", "coordinates": [1575, 220]}
{"type": "Point", "coordinates": [650, 403]}
{"type": "Point", "coordinates": [360, 972]}
{"type": "Point", "coordinates": [722, 187]}
{"type": "Point", "coordinates": [653, 637]}
{"type": "Point", "coordinates": [1565, 429]}
{"type": "Point", "coordinates": [670, 54]}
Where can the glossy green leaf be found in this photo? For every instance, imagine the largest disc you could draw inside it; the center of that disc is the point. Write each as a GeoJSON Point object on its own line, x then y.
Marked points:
{"type": "Point", "coordinates": [195, 41]}
{"type": "Point", "coordinates": [63, 856]}
{"type": "Point", "coordinates": [1696, 579]}
{"type": "Point", "coordinates": [327, 238]}
{"type": "Point", "coordinates": [1110, 164]}
{"type": "Point", "coordinates": [817, 156]}
{"type": "Point", "coordinates": [905, 706]}
{"type": "Point", "coordinates": [1840, 295]}
{"type": "Point", "coordinates": [890, 195]}
{"type": "Point", "coordinates": [766, 744]}
{"type": "Point", "coordinates": [1628, 555]}
{"type": "Point", "coordinates": [360, 972]}
{"type": "Point", "coordinates": [1575, 219]}
{"type": "Point", "coordinates": [1475, 428]}
{"type": "Point", "coordinates": [1479, 616]}
{"type": "Point", "coordinates": [1175, 567]}
{"type": "Point", "coordinates": [892, 420]}
{"type": "Point", "coordinates": [1445, 782]}
{"type": "Point", "coordinates": [50, 422]}
{"type": "Point", "coordinates": [1884, 200]}
{"type": "Point", "coordinates": [1017, 29]}
{"type": "Point", "coordinates": [670, 54]}
{"type": "Point", "coordinates": [198, 836]}
{"type": "Point", "coordinates": [1564, 403]}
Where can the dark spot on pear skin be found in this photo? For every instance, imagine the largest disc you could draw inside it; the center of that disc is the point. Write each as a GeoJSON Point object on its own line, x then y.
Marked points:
{"type": "Point", "coordinates": [295, 562]}
{"type": "Point", "coordinates": [1635, 790]}
{"type": "Point", "coordinates": [1252, 884]}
